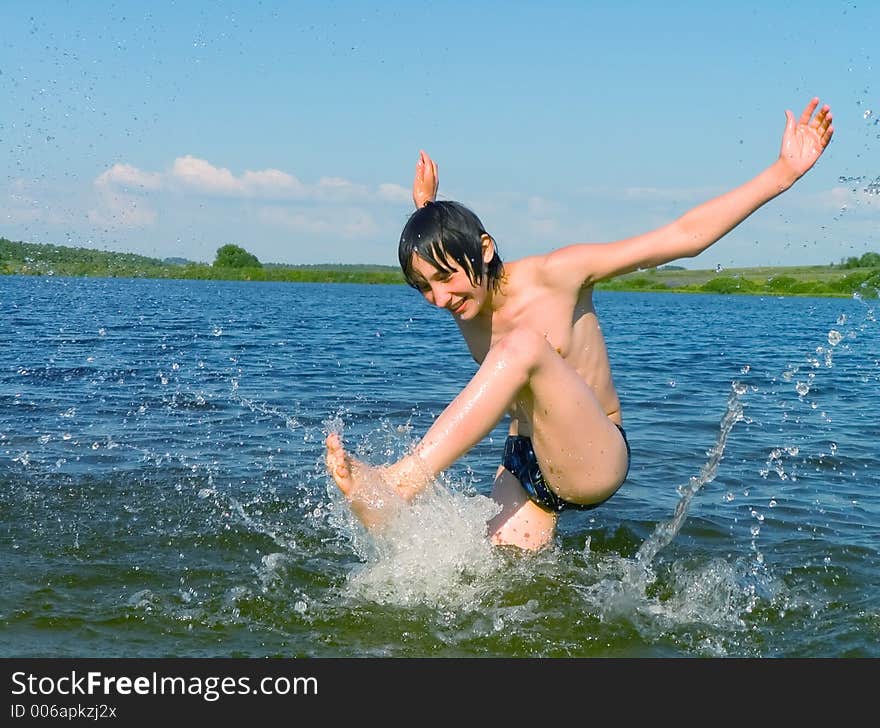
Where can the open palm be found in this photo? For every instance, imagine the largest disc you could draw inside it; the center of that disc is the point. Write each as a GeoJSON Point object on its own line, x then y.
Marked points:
{"type": "Point", "coordinates": [804, 141]}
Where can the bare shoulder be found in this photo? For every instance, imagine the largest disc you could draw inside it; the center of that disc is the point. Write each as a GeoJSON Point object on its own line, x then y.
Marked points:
{"type": "Point", "coordinates": [524, 266]}
{"type": "Point", "coordinates": [576, 253]}
{"type": "Point", "coordinates": [525, 271]}
{"type": "Point", "coordinates": [570, 266]}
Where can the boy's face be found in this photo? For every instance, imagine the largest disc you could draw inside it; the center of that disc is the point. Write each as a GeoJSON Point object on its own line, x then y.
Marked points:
{"type": "Point", "coordinates": [453, 290]}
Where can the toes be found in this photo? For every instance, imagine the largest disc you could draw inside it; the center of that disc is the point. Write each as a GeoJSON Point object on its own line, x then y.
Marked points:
{"type": "Point", "coordinates": [335, 454]}
{"type": "Point", "coordinates": [337, 463]}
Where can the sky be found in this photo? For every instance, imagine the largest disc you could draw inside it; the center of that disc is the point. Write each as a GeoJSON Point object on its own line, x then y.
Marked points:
{"type": "Point", "coordinates": [292, 129]}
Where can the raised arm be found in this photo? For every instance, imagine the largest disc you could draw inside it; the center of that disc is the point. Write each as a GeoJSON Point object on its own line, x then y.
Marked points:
{"type": "Point", "coordinates": [426, 181]}
{"type": "Point", "coordinates": [803, 142]}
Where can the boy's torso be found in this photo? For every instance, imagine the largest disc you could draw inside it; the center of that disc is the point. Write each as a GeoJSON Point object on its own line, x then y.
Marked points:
{"type": "Point", "coordinates": [566, 318]}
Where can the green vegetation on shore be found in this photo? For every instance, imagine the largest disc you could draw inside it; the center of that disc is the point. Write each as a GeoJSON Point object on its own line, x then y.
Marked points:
{"type": "Point", "coordinates": [231, 263]}
{"type": "Point", "coordinates": [853, 275]}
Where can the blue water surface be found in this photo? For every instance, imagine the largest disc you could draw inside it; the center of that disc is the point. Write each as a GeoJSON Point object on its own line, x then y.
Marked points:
{"type": "Point", "coordinates": [162, 488]}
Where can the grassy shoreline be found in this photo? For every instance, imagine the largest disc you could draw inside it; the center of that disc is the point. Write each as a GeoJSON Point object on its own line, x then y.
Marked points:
{"type": "Point", "coordinates": [817, 280]}
{"type": "Point", "coordinates": [17, 258]}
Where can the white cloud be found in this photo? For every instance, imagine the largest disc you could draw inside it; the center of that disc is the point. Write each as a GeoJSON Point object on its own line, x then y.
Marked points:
{"type": "Point", "coordinates": [126, 175]}
{"type": "Point", "coordinates": [272, 182]}
{"type": "Point", "coordinates": [191, 174]}
{"type": "Point", "coordinates": [117, 204]}
{"type": "Point", "coordinates": [127, 196]}
{"type": "Point", "coordinates": [203, 176]}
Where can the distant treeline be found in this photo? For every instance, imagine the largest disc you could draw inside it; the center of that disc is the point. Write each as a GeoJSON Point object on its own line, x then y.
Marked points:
{"type": "Point", "coordinates": [868, 260]}
{"type": "Point", "coordinates": [853, 275]}
{"type": "Point", "coordinates": [231, 263]}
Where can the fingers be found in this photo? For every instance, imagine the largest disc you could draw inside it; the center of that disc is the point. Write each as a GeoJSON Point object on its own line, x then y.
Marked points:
{"type": "Point", "coordinates": [426, 181]}
{"type": "Point", "coordinates": [826, 136]}
{"type": "Point", "coordinates": [823, 118]}
{"type": "Point", "coordinates": [821, 123]}
{"type": "Point", "coordinates": [423, 163]}
{"type": "Point", "coordinates": [425, 159]}
{"type": "Point", "coordinates": [808, 110]}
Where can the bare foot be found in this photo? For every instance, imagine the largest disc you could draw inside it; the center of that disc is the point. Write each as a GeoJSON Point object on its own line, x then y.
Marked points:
{"type": "Point", "coordinates": [373, 499]}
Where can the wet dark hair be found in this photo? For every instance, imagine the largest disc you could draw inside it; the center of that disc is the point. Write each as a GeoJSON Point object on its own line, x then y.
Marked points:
{"type": "Point", "coordinates": [443, 230]}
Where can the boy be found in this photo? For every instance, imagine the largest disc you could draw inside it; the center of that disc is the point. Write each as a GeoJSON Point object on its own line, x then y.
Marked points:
{"type": "Point", "coordinates": [531, 326]}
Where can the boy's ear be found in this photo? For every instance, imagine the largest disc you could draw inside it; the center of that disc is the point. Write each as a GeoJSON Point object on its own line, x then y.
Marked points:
{"type": "Point", "coordinates": [488, 247]}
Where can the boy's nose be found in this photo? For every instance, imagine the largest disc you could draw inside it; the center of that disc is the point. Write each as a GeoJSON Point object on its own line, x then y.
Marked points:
{"type": "Point", "coordinates": [441, 296]}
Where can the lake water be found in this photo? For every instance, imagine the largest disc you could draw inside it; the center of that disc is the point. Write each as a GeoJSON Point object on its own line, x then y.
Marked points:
{"type": "Point", "coordinates": [162, 488]}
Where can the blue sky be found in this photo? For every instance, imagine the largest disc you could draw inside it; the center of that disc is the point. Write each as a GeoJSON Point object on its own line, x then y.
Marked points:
{"type": "Point", "coordinates": [292, 129]}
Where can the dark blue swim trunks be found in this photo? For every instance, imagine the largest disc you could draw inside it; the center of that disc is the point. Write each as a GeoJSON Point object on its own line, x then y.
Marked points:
{"type": "Point", "coordinates": [521, 461]}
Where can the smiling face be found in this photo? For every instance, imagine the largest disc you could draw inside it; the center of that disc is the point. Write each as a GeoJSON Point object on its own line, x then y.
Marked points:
{"type": "Point", "coordinates": [447, 255]}
{"type": "Point", "coordinates": [450, 288]}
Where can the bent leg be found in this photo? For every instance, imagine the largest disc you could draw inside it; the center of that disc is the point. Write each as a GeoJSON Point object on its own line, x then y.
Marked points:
{"type": "Point", "coordinates": [464, 422]}
{"type": "Point", "coordinates": [579, 450]}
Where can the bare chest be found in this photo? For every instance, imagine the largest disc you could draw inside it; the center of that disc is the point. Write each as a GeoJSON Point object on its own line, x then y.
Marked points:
{"type": "Point", "coordinates": [555, 317]}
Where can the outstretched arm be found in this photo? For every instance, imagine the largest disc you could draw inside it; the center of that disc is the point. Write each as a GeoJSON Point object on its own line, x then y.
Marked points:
{"type": "Point", "coordinates": [803, 142]}
{"type": "Point", "coordinates": [426, 181]}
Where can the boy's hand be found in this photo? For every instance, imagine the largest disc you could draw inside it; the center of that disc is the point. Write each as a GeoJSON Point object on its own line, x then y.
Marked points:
{"type": "Point", "coordinates": [804, 141]}
{"type": "Point", "coordinates": [426, 181]}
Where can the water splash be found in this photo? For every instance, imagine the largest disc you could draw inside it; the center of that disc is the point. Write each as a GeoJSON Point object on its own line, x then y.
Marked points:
{"type": "Point", "coordinates": [434, 552]}
{"type": "Point", "coordinates": [665, 532]}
